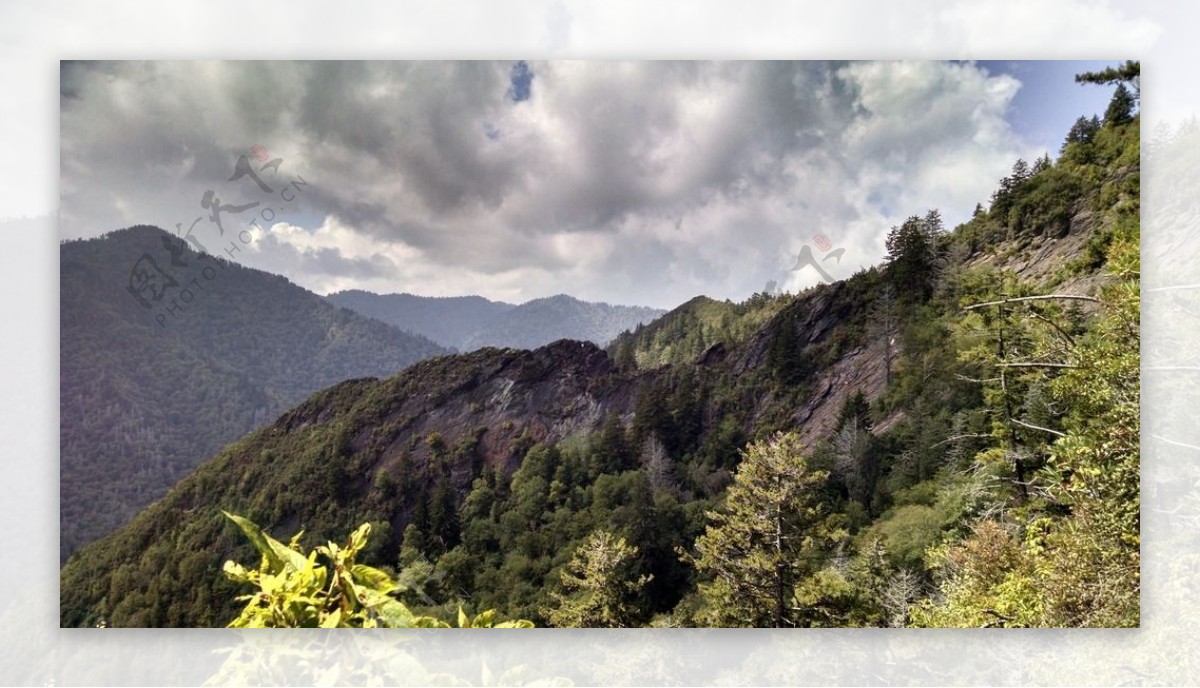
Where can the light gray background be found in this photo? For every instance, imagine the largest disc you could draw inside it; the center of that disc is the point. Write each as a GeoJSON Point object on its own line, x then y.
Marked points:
{"type": "Point", "coordinates": [33, 37]}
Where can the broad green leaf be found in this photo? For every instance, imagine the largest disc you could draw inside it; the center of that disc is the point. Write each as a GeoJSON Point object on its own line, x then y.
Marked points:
{"type": "Point", "coordinates": [334, 620]}
{"type": "Point", "coordinates": [358, 539]}
{"type": "Point", "coordinates": [294, 543]}
{"type": "Point", "coordinates": [391, 612]}
{"type": "Point", "coordinates": [258, 538]}
{"type": "Point", "coordinates": [275, 552]}
{"type": "Point", "coordinates": [373, 578]}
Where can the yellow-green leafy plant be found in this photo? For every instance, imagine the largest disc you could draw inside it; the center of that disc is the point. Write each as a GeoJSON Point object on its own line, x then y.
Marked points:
{"type": "Point", "coordinates": [326, 588]}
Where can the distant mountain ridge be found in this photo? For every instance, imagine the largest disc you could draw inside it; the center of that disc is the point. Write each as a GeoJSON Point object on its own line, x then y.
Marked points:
{"type": "Point", "coordinates": [467, 323]}
{"type": "Point", "coordinates": [150, 387]}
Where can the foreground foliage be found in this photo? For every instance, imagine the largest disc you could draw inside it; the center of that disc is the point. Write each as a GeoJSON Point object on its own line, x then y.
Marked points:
{"type": "Point", "coordinates": [327, 588]}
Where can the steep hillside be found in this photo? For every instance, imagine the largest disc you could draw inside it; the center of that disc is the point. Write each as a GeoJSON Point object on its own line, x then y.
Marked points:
{"type": "Point", "coordinates": [147, 393]}
{"type": "Point", "coordinates": [684, 333]}
{"type": "Point", "coordinates": [467, 323]}
{"type": "Point", "coordinates": [965, 417]}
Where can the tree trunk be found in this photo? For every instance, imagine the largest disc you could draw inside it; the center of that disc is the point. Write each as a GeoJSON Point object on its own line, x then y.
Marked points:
{"type": "Point", "coordinates": [779, 564]}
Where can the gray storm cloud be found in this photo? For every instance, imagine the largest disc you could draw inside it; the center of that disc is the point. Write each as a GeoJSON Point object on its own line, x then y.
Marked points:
{"type": "Point", "coordinates": [643, 182]}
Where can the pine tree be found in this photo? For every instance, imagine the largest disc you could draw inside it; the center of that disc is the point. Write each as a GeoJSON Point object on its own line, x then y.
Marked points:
{"type": "Point", "coordinates": [1120, 108]}
{"type": "Point", "coordinates": [850, 451]}
{"type": "Point", "coordinates": [1020, 172]}
{"type": "Point", "coordinates": [773, 530]}
{"type": "Point", "coordinates": [443, 516]}
{"type": "Point", "coordinates": [611, 453]}
{"type": "Point", "coordinates": [1080, 132]}
{"type": "Point", "coordinates": [413, 545]}
{"type": "Point", "coordinates": [910, 250]}
{"type": "Point", "coordinates": [785, 352]}
{"type": "Point", "coordinates": [599, 585]}
{"type": "Point", "coordinates": [1128, 73]}
{"type": "Point", "coordinates": [856, 410]}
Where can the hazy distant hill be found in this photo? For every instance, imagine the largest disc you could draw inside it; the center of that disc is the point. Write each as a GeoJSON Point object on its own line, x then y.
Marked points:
{"type": "Point", "coordinates": [471, 322]}
{"type": "Point", "coordinates": [147, 393]}
{"type": "Point", "coordinates": [450, 321]}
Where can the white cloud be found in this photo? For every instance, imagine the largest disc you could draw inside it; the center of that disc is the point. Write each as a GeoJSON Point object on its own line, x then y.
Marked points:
{"type": "Point", "coordinates": [642, 182]}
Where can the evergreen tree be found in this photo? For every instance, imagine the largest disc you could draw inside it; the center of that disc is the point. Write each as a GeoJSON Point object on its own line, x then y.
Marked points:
{"type": "Point", "coordinates": [687, 411]}
{"type": "Point", "coordinates": [884, 325]}
{"type": "Point", "coordinates": [774, 529]}
{"type": "Point", "coordinates": [413, 546]}
{"type": "Point", "coordinates": [856, 410]}
{"type": "Point", "coordinates": [599, 585]}
{"type": "Point", "coordinates": [933, 224]}
{"type": "Point", "coordinates": [443, 516]}
{"type": "Point", "coordinates": [1128, 73]}
{"type": "Point", "coordinates": [1120, 108]}
{"type": "Point", "coordinates": [785, 355]}
{"type": "Point", "coordinates": [1083, 131]}
{"type": "Point", "coordinates": [611, 452]}
{"type": "Point", "coordinates": [851, 446]}
{"type": "Point", "coordinates": [1020, 172]}
{"type": "Point", "coordinates": [911, 259]}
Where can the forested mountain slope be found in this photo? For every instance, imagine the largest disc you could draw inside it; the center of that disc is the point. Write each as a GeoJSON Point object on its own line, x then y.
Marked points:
{"type": "Point", "coordinates": [148, 392]}
{"type": "Point", "coordinates": [948, 440]}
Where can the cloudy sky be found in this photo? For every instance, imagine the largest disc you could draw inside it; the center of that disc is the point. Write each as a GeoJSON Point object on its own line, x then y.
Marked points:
{"type": "Point", "coordinates": [637, 183]}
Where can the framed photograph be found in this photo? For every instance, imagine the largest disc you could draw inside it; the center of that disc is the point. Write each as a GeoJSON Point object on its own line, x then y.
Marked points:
{"type": "Point", "coordinates": [606, 344]}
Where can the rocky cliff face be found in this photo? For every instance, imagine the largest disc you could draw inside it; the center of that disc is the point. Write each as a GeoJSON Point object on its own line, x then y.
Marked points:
{"type": "Point", "coordinates": [503, 398]}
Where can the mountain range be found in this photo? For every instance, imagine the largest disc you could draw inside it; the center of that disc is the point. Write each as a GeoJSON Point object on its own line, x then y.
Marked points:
{"type": "Point", "coordinates": [466, 323]}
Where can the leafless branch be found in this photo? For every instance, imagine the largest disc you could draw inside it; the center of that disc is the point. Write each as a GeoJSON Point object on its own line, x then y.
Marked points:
{"type": "Point", "coordinates": [975, 436]}
{"type": "Point", "coordinates": [1035, 364]}
{"type": "Point", "coordinates": [1031, 426]}
{"type": "Point", "coordinates": [1043, 297]}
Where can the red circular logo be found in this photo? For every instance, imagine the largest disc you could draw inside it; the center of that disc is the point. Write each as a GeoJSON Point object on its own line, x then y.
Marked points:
{"type": "Point", "coordinates": [822, 242]}
{"type": "Point", "coordinates": [259, 152]}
